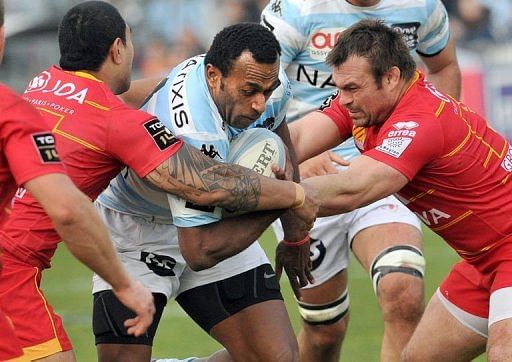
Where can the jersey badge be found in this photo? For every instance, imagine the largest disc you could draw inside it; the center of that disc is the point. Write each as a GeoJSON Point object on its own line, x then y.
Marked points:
{"type": "Point", "coordinates": [410, 33]}
{"type": "Point", "coordinates": [160, 134]}
{"type": "Point", "coordinates": [394, 146]}
{"type": "Point", "coordinates": [45, 145]}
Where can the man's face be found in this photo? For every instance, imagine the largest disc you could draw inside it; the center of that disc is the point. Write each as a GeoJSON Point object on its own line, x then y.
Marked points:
{"type": "Point", "coordinates": [242, 95]}
{"type": "Point", "coordinates": [367, 103]}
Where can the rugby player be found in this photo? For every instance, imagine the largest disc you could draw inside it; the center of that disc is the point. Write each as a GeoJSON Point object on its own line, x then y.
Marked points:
{"type": "Point", "coordinates": [444, 162]}
{"type": "Point", "coordinates": [384, 234]}
{"type": "Point", "coordinates": [207, 101]}
{"type": "Point", "coordinates": [29, 159]}
{"type": "Point", "coordinates": [96, 135]}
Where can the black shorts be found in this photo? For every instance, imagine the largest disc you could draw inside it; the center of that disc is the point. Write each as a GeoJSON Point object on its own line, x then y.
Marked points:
{"type": "Point", "coordinates": [210, 304]}
{"type": "Point", "coordinates": [109, 314]}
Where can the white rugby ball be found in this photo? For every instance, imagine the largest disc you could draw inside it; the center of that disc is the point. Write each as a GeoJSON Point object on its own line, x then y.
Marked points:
{"type": "Point", "coordinates": [257, 149]}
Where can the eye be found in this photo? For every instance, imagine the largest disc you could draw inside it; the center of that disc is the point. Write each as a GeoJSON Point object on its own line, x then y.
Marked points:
{"type": "Point", "coordinates": [248, 92]}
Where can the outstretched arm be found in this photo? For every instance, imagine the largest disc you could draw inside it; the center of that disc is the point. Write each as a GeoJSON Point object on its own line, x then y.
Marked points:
{"type": "Point", "coordinates": [199, 179]}
{"type": "Point", "coordinates": [85, 235]}
{"type": "Point", "coordinates": [365, 181]}
{"type": "Point", "coordinates": [313, 134]}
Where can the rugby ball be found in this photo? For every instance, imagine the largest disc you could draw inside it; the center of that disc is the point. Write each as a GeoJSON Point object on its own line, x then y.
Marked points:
{"type": "Point", "coordinates": [257, 149]}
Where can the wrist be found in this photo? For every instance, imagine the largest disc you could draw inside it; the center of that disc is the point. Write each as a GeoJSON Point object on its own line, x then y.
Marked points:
{"type": "Point", "coordinates": [296, 243]}
{"type": "Point", "coordinates": [300, 197]}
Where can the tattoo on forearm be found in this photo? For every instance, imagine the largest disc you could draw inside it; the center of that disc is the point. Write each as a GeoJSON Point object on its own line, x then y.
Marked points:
{"type": "Point", "coordinates": [194, 177]}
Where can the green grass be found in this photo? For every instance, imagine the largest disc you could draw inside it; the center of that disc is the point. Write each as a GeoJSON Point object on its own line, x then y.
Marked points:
{"type": "Point", "coordinates": [68, 283]}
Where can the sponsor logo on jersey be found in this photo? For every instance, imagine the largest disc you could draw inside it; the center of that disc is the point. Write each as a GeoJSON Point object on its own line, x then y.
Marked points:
{"type": "Point", "coordinates": [410, 33]}
{"type": "Point", "coordinates": [432, 217]}
{"type": "Point", "coordinates": [162, 265]}
{"type": "Point", "coordinates": [314, 77]}
{"type": "Point", "coordinates": [67, 90]}
{"type": "Point", "coordinates": [39, 82]}
{"type": "Point", "coordinates": [322, 41]}
{"type": "Point", "coordinates": [405, 125]}
{"type": "Point", "coordinates": [317, 251]}
{"type": "Point", "coordinates": [160, 134]}
{"type": "Point", "coordinates": [507, 161]}
{"type": "Point", "coordinates": [276, 7]}
{"type": "Point", "coordinates": [45, 145]}
{"type": "Point", "coordinates": [179, 110]}
{"type": "Point", "coordinates": [394, 146]}
{"type": "Point", "coordinates": [327, 102]}
{"type": "Point", "coordinates": [210, 151]}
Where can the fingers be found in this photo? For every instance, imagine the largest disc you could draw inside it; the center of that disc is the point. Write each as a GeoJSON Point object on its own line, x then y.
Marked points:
{"type": "Point", "coordinates": [279, 173]}
{"type": "Point", "coordinates": [338, 159]}
{"type": "Point", "coordinates": [295, 286]}
{"type": "Point", "coordinates": [137, 326]}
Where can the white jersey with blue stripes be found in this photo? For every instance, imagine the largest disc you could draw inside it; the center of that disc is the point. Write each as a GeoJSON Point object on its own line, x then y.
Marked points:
{"type": "Point", "coordinates": [308, 29]}
{"type": "Point", "coordinates": [184, 105]}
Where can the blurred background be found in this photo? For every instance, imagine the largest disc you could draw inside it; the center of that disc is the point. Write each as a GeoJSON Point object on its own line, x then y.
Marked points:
{"type": "Point", "coordinates": [166, 32]}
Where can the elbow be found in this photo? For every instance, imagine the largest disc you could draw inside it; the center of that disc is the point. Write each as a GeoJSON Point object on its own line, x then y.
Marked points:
{"type": "Point", "coordinates": [200, 257]}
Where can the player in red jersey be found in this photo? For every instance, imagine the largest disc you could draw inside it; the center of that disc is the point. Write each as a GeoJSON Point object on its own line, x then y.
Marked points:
{"type": "Point", "coordinates": [97, 135]}
{"type": "Point", "coordinates": [444, 162]}
{"type": "Point", "coordinates": [28, 158]}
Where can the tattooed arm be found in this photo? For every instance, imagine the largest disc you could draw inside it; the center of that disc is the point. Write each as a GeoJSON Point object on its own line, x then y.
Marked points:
{"type": "Point", "coordinates": [201, 180]}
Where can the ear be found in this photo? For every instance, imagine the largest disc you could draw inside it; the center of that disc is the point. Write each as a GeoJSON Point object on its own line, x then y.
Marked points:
{"type": "Point", "coordinates": [117, 51]}
{"type": "Point", "coordinates": [392, 77]}
{"type": "Point", "coordinates": [213, 75]}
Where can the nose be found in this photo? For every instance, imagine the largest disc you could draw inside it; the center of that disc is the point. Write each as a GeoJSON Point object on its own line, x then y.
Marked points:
{"type": "Point", "coordinates": [345, 98]}
{"type": "Point", "coordinates": [258, 103]}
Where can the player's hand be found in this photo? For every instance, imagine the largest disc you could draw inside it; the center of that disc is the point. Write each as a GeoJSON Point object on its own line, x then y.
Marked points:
{"type": "Point", "coordinates": [296, 262]}
{"type": "Point", "coordinates": [320, 165]}
{"type": "Point", "coordinates": [140, 300]}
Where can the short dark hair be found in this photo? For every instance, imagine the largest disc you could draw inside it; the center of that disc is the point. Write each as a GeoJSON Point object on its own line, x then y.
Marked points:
{"type": "Point", "coordinates": [233, 40]}
{"type": "Point", "coordinates": [2, 12]}
{"type": "Point", "coordinates": [86, 34]}
{"type": "Point", "coordinates": [382, 46]}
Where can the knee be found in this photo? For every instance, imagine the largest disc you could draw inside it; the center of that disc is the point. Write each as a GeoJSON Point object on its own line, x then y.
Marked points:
{"type": "Point", "coordinates": [401, 297]}
{"type": "Point", "coordinates": [325, 335]}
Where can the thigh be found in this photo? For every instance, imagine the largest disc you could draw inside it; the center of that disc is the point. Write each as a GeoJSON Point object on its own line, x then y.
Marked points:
{"type": "Point", "coordinates": [246, 314]}
{"type": "Point", "coordinates": [383, 224]}
{"type": "Point", "coordinates": [148, 250]}
{"type": "Point", "coordinates": [38, 328]}
{"type": "Point", "coordinates": [440, 336]}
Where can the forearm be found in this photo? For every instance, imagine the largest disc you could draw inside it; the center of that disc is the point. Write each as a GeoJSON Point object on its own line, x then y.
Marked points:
{"type": "Point", "coordinates": [200, 180]}
{"type": "Point", "coordinates": [205, 246]}
{"type": "Point", "coordinates": [293, 228]}
{"type": "Point", "coordinates": [335, 193]}
{"type": "Point", "coordinates": [88, 240]}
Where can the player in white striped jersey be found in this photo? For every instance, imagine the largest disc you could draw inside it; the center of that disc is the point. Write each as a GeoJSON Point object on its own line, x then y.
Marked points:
{"type": "Point", "coordinates": [206, 101]}
{"type": "Point", "coordinates": [383, 235]}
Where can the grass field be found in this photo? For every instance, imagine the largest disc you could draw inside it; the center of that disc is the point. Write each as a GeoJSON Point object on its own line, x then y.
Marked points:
{"type": "Point", "coordinates": [68, 283]}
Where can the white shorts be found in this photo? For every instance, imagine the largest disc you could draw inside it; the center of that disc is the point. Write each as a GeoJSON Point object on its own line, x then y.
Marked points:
{"type": "Point", "coordinates": [150, 252]}
{"type": "Point", "coordinates": [331, 237]}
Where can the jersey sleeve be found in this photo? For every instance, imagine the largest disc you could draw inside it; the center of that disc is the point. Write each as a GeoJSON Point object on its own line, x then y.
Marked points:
{"type": "Point", "coordinates": [28, 144]}
{"type": "Point", "coordinates": [332, 108]}
{"type": "Point", "coordinates": [433, 36]}
{"type": "Point", "coordinates": [140, 140]}
{"type": "Point", "coordinates": [282, 17]}
{"type": "Point", "coordinates": [408, 145]}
